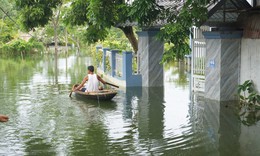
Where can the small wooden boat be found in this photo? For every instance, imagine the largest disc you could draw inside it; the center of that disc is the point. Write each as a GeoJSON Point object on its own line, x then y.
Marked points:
{"type": "Point", "coordinates": [100, 95]}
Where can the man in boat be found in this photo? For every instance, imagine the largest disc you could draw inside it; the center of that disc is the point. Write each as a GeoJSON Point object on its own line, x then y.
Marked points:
{"type": "Point", "coordinates": [3, 118]}
{"type": "Point", "coordinates": [90, 83]}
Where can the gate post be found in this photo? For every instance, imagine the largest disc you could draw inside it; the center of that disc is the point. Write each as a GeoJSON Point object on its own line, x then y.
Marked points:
{"type": "Point", "coordinates": [150, 51]}
{"type": "Point", "coordinates": [222, 64]}
{"type": "Point", "coordinates": [127, 64]}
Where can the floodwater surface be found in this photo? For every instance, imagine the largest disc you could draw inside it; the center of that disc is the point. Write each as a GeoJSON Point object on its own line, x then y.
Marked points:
{"type": "Point", "coordinates": [138, 121]}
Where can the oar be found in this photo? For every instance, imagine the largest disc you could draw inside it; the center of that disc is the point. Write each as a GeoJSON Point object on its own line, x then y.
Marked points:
{"type": "Point", "coordinates": [70, 94]}
{"type": "Point", "coordinates": [72, 89]}
{"type": "Point", "coordinates": [112, 85]}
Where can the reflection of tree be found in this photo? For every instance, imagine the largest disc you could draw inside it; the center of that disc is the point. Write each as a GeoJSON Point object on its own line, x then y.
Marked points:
{"type": "Point", "coordinates": [78, 70]}
{"type": "Point", "coordinates": [37, 146]}
{"type": "Point", "coordinates": [96, 142]}
{"type": "Point", "coordinates": [56, 71]}
{"type": "Point", "coordinates": [177, 70]}
{"type": "Point", "coordinates": [182, 80]}
{"type": "Point", "coordinates": [14, 71]}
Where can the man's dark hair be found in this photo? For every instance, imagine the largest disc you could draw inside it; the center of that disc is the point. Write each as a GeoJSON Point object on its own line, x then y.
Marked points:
{"type": "Point", "coordinates": [91, 68]}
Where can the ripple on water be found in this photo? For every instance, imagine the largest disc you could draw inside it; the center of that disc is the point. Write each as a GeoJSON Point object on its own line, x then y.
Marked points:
{"type": "Point", "coordinates": [146, 121]}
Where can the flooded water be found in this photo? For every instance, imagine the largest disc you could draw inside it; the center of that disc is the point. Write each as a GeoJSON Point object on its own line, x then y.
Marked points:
{"type": "Point", "coordinates": [138, 121]}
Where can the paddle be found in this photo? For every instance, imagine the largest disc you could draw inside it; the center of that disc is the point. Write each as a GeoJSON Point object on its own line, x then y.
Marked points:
{"type": "Point", "coordinates": [112, 85]}
{"type": "Point", "coordinates": [72, 90]}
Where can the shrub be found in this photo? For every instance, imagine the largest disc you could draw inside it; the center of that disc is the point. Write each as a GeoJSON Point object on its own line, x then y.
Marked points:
{"type": "Point", "coordinates": [18, 46]}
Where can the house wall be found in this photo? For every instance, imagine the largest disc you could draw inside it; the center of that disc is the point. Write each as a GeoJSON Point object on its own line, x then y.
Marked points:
{"type": "Point", "coordinates": [250, 61]}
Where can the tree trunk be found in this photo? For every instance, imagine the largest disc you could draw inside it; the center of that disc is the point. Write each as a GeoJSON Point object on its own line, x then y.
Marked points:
{"type": "Point", "coordinates": [66, 40]}
{"type": "Point", "coordinates": [129, 33]}
{"type": "Point", "coordinates": [55, 21]}
{"type": "Point", "coordinates": [78, 45]}
{"type": "Point", "coordinates": [55, 39]}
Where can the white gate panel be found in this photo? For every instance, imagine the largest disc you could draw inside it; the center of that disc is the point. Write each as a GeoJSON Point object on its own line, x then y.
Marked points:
{"type": "Point", "coordinates": [198, 59]}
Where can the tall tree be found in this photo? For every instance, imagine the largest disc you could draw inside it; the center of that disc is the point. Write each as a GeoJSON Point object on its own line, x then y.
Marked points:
{"type": "Point", "coordinates": [101, 15]}
{"type": "Point", "coordinates": [176, 19]}
{"type": "Point", "coordinates": [177, 29]}
{"type": "Point", "coordinates": [8, 24]}
{"type": "Point", "coordinates": [38, 13]}
{"type": "Point", "coordinates": [55, 22]}
{"type": "Point", "coordinates": [98, 16]}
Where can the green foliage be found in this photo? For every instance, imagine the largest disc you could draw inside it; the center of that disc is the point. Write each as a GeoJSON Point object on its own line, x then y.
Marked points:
{"type": "Point", "coordinates": [15, 69]}
{"type": "Point", "coordinates": [8, 9]}
{"type": "Point", "coordinates": [134, 65]}
{"type": "Point", "coordinates": [18, 46]}
{"type": "Point", "coordinates": [101, 13]}
{"type": "Point", "coordinates": [6, 32]}
{"type": "Point", "coordinates": [93, 34]}
{"type": "Point", "coordinates": [99, 56]}
{"type": "Point", "coordinates": [145, 12]}
{"type": "Point", "coordinates": [8, 27]}
{"type": "Point", "coordinates": [36, 13]}
{"type": "Point", "coordinates": [108, 64]}
{"type": "Point", "coordinates": [177, 30]}
{"type": "Point", "coordinates": [116, 40]}
{"type": "Point", "coordinates": [98, 16]}
{"type": "Point", "coordinates": [250, 101]}
{"type": "Point", "coordinates": [77, 14]}
{"type": "Point", "coordinates": [247, 94]}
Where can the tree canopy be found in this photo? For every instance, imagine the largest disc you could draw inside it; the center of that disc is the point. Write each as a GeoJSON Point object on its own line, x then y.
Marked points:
{"type": "Point", "coordinates": [37, 12]}
{"type": "Point", "coordinates": [98, 16]}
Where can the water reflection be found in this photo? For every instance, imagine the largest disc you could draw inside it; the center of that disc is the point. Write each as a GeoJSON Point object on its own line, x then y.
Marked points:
{"type": "Point", "coordinates": [178, 73]}
{"type": "Point", "coordinates": [151, 113]}
{"type": "Point", "coordinates": [138, 121]}
{"type": "Point", "coordinates": [38, 146]}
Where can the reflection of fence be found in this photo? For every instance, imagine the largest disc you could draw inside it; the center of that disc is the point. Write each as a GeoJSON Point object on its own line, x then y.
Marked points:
{"type": "Point", "coordinates": [118, 66]}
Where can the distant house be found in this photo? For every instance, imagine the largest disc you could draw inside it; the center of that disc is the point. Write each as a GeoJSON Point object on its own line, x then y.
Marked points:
{"type": "Point", "coordinates": [24, 36]}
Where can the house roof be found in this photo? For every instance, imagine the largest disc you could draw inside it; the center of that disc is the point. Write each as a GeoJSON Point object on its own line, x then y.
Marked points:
{"type": "Point", "coordinates": [220, 12]}
{"type": "Point", "coordinates": [226, 12]}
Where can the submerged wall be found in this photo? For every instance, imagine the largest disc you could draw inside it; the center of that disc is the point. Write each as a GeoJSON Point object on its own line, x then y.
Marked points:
{"type": "Point", "coordinates": [250, 61]}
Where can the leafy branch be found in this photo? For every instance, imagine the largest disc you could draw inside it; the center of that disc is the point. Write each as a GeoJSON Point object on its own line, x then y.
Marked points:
{"type": "Point", "coordinates": [247, 94]}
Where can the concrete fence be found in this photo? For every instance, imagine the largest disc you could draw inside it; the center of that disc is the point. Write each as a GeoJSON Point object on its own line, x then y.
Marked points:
{"type": "Point", "coordinates": [118, 67]}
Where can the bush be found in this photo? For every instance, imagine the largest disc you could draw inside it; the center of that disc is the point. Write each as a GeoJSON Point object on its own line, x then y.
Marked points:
{"type": "Point", "coordinates": [19, 46]}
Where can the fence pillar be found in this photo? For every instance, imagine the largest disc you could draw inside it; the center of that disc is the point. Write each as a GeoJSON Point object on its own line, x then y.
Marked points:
{"type": "Point", "coordinates": [104, 58]}
{"type": "Point", "coordinates": [127, 64]}
{"type": "Point", "coordinates": [113, 62]}
{"type": "Point", "coordinates": [98, 48]}
{"type": "Point", "coordinates": [150, 50]}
